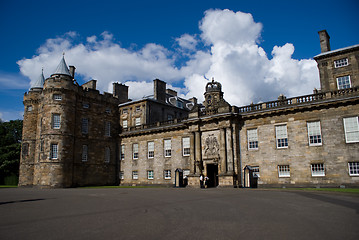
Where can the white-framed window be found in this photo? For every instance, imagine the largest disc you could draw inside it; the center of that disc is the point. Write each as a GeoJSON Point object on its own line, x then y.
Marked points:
{"type": "Point", "coordinates": [150, 174]}
{"type": "Point", "coordinates": [353, 168]}
{"type": "Point", "coordinates": [122, 153]}
{"type": "Point", "coordinates": [57, 97]}
{"type": "Point", "coordinates": [186, 146]}
{"type": "Point", "coordinates": [122, 175]}
{"type": "Point", "coordinates": [135, 175]}
{"type": "Point", "coordinates": [85, 105]}
{"type": "Point", "coordinates": [29, 108]}
{"type": "Point", "coordinates": [351, 129]}
{"type": "Point", "coordinates": [252, 135]}
{"type": "Point", "coordinates": [344, 82]}
{"type": "Point", "coordinates": [341, 63]}
{"type": "Point", "coordinates": [281, 136]}
{"type": "Point", "coordinates": [167, 174]}
{"type": "Point", "coordinates": [150, 149]}
{"type": "Point", "coordinates": [314, 133]}
{"type": "Point", "coordinates": [85, 125]}
{"type": "Point", "coordinates": [124, 124]}
{"type": "Point", "coordinates": [138, 121]}
{"type": "Point", "coordinates": [317, 170]}
{"type": "Point", "coordinates": [255, 171]}
{"type": "Point", "coordinates": [54, 151]}
{"type": "Point", "coordinates": [84, 153]}
{"type": "Point", "coordinates": [167, 147]}
{"type": "Point", "coordinates": [283, 171]}
{"type": "Point", "coordinates": [135, 150]}
{"type": "Point", "coordinates": [56, 121]}
{"type": "Point", "coordinates": [107, 154]}
{"type": "Point", "coordinates": [108, 129]}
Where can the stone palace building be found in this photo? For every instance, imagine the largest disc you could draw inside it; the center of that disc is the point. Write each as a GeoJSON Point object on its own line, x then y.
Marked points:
{"type": "Point", "coordinates": [75, 136]}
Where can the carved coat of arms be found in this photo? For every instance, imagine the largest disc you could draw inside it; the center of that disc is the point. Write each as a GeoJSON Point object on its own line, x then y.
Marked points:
{"type": "Point", "coordinates": [211, 146]}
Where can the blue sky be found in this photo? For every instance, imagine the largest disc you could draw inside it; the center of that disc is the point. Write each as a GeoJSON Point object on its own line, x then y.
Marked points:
{"type": "Point", "coordinates": [254, 45]}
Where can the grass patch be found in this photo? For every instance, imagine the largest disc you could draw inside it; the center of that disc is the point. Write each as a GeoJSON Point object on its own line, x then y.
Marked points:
{"type": "Point", "coordinates": [342, 190]}
{"type": "Point", "coordinates": [8, 186]}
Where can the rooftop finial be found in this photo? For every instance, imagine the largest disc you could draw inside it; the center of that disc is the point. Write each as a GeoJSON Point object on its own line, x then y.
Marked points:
{"type": "Point", "coordinates": [212, 79]}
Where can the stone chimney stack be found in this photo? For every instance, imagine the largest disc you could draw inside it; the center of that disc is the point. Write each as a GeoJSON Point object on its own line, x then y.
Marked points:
{"type": "Point", "coordinates": [120, 91]}
{"type": "Point", "coordinates": [324, 41]}
{"type": "Point", "coordinates": [159, 90]}
{"type": "Point", "coordinates": [72, 71]}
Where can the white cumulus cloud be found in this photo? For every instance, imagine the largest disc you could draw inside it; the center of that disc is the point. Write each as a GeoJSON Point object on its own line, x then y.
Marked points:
{"type": "Point", "coordinates": [233, 56]}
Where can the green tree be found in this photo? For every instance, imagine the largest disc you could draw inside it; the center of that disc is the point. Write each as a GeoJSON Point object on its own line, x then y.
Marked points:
{"type": "Point", "coordinates": [10, 149]}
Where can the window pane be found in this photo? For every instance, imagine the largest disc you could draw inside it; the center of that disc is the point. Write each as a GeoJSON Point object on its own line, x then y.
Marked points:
{"type": "Point", "coordinates": [56, 119]}
{"type": "Point", "coordinates": [186, 146]}
{"type": "Point", "coordinates": [314, 133]}
{"type": "Point", "coordinates": [252, 139]}
{"type": "Point", "coordinates": [283, 171]}
{"type": "Point", "coordinates": [107, 154]}
{"type": "Point", "coordinates": [343, 82]}
{"type": "Point", "coordinates": [281, 135]}
{"type": "Point", "coordinates": [54, 151]}
{"type": "Point", "coordinates": [353, 168]}
{"type": "Point", "coordinates": [84, 127]}
{"type": "Point", "coordinates": [318, 170]}
{"type": "Point", "coordinates": [351, 127]}
{"type": "Point", "coordinates": [84, 153]}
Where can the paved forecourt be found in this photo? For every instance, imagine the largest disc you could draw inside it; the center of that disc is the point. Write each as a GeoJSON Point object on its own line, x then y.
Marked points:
{"type": "Point", "coordinates": [169, 213]}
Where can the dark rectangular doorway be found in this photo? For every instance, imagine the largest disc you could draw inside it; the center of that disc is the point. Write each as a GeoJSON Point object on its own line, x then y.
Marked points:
{"type": "Point", "coordinates": [212, 174]}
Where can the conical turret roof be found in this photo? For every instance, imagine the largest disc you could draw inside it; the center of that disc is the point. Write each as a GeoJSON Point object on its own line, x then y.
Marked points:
{"type": "Point", "coordinates": [62, 68]}
{"type": "Point", "coordinates": [39, 84]}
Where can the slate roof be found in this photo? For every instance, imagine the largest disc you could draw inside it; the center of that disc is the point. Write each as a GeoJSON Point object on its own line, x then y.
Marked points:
{"type": "Point", "coordinates": [62, 68]}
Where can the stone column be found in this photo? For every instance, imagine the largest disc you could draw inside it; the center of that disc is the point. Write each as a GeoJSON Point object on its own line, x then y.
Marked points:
{"type": "Point", "coordinates": [236, 147]}
{"type": "Point", "coordinates": [192, 153]}
{"type": "Point", "coordinates": [198, 151]}
{"type": "Point", "coordinates": [223, 157]}
{"type": "Point", "coordinates": [229, 144]}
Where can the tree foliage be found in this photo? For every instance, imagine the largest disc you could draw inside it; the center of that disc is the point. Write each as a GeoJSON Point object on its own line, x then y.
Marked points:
{"type": "Point", "coordinates": [10, 148]}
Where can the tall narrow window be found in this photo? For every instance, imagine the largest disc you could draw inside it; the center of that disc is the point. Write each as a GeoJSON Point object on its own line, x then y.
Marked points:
{"type": "Point", "coordinates": [283, 171]}
{"type": "Point", "coordinates": [53, 151]}
{"type": "Point", "coordinates": [281, 136]}
{"type": "Point", "coordinates": [135, 150]}
{"type": "Point", "coordinates": [134, 175]}
{"type": "Point", "coordinates": [314, 133]}
{"type": "Point", "coordinates": [151, 149]}
{"type": "Point", "coordinates": [150, 174]}
{"type": "Point", "coordinates": [252, 136]}
{"type": "Point", "coordinates": [353, 168]}
{"type": "Point", "coordinates": [121, 175]}
{"type": "Point", "coordinates": [107, 154]}
{"type": "Point", "coordinates": [85, 126]}
{"type": "Point", "coordinates": [124, 124]}
{"type": "Point", "coordinates": [167, 174]}
{"type": "Point", "coordinates": [317, 170]}
{"type": "Point", "coordinates": [186, 146]}
{"type": "Point", "coordinates": [122, 157]}
{"type": "Point", "coordinates": [167, 146]}
{"type": "Point", "coordinates": [351, 127]}
{"type": "Point", "coordinates": [108, 129]}
{"type": "Point", "coordinates": [344, 82]}
{"type": "Point", "coordinates": [56, 121]}
{"type": "Point", "coordinates": [84, 153]}
{"type": "Point", "coordinates": [138, 121]}
{"type": "Point", "coordinates": [341, 62]}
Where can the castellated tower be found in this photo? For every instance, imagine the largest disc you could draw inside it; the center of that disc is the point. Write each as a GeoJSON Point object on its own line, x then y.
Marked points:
{"type": "Point", "coordinates": [70, 133]}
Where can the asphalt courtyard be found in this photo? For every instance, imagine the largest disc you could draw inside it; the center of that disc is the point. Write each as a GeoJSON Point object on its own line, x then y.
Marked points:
{"type": "Point", "coordinates": [169, 213]}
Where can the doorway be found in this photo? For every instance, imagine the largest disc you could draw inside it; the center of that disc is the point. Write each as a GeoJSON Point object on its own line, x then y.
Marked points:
{"type": "Point", "coordinates": [212, 174]}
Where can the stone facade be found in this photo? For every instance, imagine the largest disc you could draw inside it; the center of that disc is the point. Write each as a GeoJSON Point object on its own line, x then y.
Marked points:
{"type": "Point", "coordinates": [75, 136]}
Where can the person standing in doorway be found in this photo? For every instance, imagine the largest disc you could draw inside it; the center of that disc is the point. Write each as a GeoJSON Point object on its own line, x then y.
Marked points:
{"type": "Point", "coordinates": [201, 181]}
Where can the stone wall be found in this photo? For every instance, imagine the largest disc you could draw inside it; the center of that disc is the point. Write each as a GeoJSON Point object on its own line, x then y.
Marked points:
{"type": "Point", "coordinates": [334, 152]}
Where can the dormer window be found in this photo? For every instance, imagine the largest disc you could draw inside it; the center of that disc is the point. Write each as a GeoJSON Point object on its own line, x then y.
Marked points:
{"type": "Point", "coordinates": [341, 62]}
